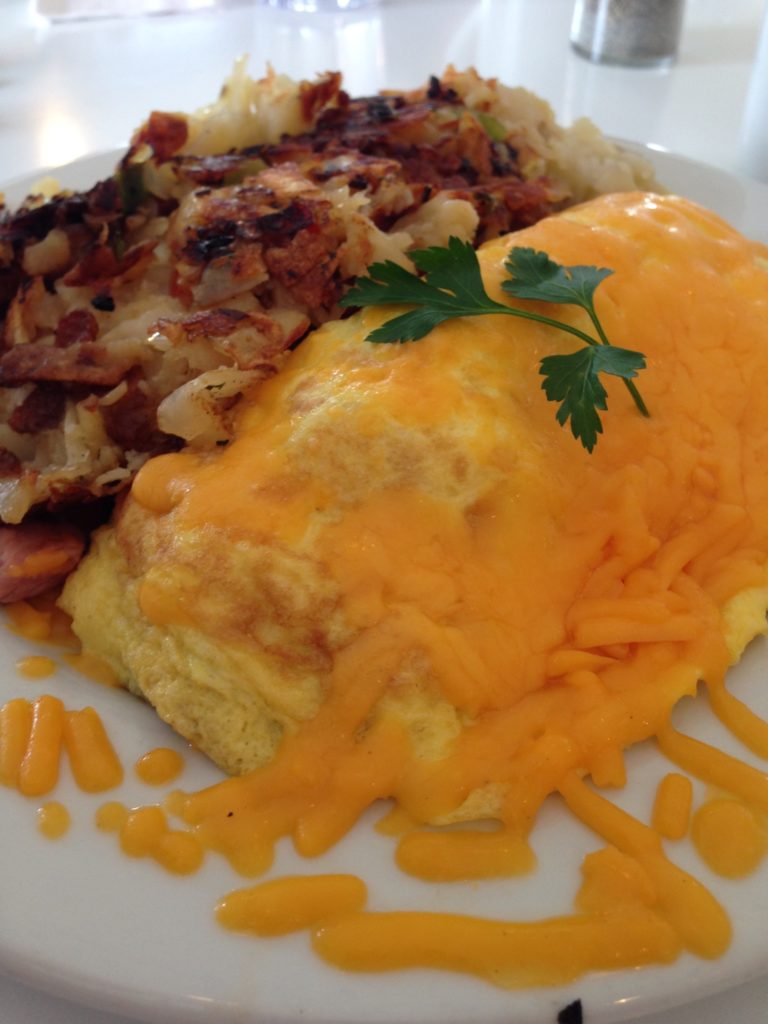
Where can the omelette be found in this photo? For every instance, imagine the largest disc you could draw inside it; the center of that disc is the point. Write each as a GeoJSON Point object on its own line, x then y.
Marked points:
{"type": "Point", "coordinates": [404, 579]}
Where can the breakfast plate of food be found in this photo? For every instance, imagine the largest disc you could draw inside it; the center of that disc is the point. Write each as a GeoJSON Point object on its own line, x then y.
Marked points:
{"type": "Point", "coordinates": [385, 566]}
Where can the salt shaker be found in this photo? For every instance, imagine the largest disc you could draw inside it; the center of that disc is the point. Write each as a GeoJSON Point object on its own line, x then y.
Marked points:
{"type": "Point", "coordinates": [637, 33]}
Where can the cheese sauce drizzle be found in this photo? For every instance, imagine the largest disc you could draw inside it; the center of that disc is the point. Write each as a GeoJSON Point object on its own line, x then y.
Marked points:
{"type": "Point", "coordinates": [36, 666]}
{"type": "Point", "coordinates": [92, 758]}
{"type": "Point", "coordinates": [40, 620]}
{"type": "Point", "coordinates": [53, 820]}
{"type": "Point", "coordinates": [730, 837]}
{"type": "Point", "coordinates": [144, 832]}
{"type": "Point", "coordinates": [160, 766]}
{"type": "Point", "coordinates": [33, 736]}
{"type": "Point", "coordinates": [291, 903]}
{"type": "Point", "coordinates": [672, 807]}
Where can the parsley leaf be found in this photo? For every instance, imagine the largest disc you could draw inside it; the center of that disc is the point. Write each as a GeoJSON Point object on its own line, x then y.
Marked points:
{"type": "Point", "coordinates": [452, 286]}
{"type": "Point", "coordinates": [573, 381]}
{"type": "Point", "coordinates": [533, 275]}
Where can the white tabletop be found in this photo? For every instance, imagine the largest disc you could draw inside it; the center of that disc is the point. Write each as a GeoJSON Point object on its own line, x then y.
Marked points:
{"type": "Point", "coordinates": [74, 87]}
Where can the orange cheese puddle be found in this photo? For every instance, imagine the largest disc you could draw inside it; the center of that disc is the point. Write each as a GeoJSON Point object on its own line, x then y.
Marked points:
{"type": "Point", "coordinates": [29, 622]}
{"type": "Point", "coordinates": [111, 816]}
{"type": "Point", "coordinates": [290, 904]}
{"type": "Point", "coordinates": [157, 767]}
{"type": "Point", "coordinates": [35, 734]}
{"type": "Point", "coordinates": [451, 857]}
{"type": "Point", "coordinates": [93, 760]}
{"type": "Point", "coordinates": [38, 770]}
{"type": "Point", "coordinates": [512, 955]}
{"type": "Point", "coordinates": [36, 666]}
{"type": "Point", "coordinates": [730, 837]}
{"type": "Point", "coordinates": [39, 620]}
{"type": "Point", "coordinates": [53, 820]}
{"type": "Point", "coordinates": [15, 729]}
{"type": "Point", "coordinates": [672, 807]}
{"type": "Point", "coordinates": [144, 832]}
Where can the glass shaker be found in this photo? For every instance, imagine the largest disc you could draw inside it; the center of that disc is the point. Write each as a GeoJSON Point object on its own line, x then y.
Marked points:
{"type": "Point", "coordinates": [636, 33]}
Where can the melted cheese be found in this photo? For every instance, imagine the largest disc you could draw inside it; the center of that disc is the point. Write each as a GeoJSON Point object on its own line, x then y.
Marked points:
{"type": "Point", "coordinates": [730, 837]}
{"type": "Point", "coordinates": [160, 766]}
{"type": "Point", "coordinates": [33, 736]}
{"type": "Point", "coordinates": [53, 820]}
{"type": "Point", "coordinates": [92, 758]}
{"type": "Point", "coordinates": [672, 807]}
{"type": "Point", "coordinates": [291, 904]}
{"type": "Point", "coordinates": [36, 666]}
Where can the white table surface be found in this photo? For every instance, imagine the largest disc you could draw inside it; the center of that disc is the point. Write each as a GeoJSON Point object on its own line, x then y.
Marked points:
{"type": "Point", "coordinates": [76, 87]}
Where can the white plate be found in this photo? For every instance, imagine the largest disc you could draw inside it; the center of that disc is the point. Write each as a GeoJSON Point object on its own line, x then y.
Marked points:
{"type": "Point", "coordinates": [83, 922]}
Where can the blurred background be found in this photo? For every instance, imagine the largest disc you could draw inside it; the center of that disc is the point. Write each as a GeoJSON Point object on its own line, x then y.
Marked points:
{"type": "Point", "coordinates": [77, 76]}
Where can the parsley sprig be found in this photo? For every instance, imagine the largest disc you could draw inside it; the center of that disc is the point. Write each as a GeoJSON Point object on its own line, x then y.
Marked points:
{"type": "Point", "coordinates": [452, 286]}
